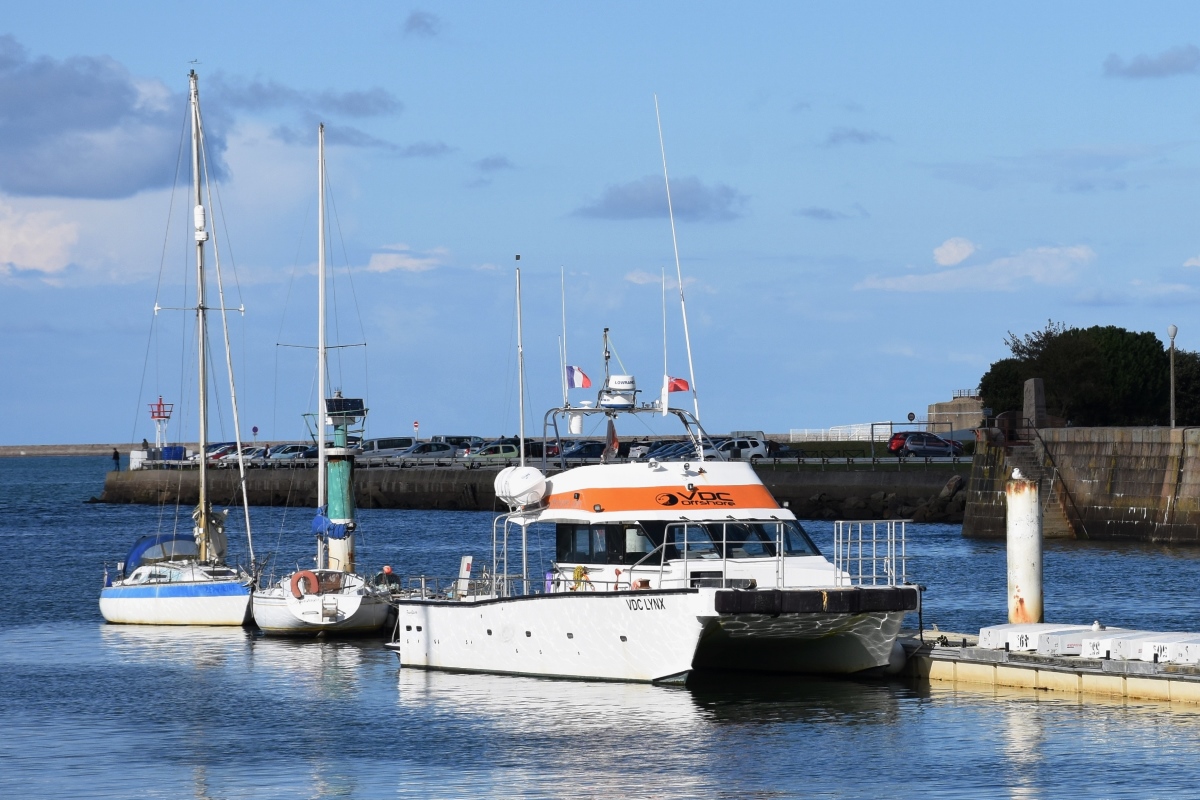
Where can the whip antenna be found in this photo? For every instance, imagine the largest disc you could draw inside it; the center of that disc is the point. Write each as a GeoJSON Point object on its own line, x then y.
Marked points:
{"type": "Point", "coordinates": [678, 272]}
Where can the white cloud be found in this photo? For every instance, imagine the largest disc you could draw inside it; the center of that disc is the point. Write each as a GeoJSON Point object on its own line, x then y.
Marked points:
{"type": "Point", "coordinates": [402, 257]}
{"type": "Point", "coordinates": [953, 251]}
{"type": "Point", "coordinates": [1194, 261]}
{"type": "Point", "coordinates": [35, 240]}
{"type": "Point", "coordinates": [1040, 265]}
{"type": "Point", "coordinates": [642, 278]}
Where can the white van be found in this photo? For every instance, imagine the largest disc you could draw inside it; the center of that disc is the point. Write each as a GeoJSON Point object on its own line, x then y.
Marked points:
{"type": "Point", "coordinates": [383, 448]}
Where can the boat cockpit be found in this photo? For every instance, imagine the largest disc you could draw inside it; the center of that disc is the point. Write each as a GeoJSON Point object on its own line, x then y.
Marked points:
{"type": "Point", "coordinates": [655, 541]}
{"type": "Point", "coordinates": [661, 554]}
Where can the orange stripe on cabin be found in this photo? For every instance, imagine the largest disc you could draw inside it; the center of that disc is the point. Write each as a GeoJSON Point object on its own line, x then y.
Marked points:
{"type": "Point", "coordinates": [643, 498]}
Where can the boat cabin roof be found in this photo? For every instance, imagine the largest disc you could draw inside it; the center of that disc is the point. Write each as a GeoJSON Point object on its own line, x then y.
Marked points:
{"type": "Point", "coordinates": [702, 490]}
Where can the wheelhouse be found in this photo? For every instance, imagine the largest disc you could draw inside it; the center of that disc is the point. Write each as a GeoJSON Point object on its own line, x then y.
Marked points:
{"type": "Point", "coordinates": [658, 541]}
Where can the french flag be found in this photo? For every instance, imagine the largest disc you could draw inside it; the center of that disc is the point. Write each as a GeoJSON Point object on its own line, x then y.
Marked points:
{"type": "Point", "coordinates": [577, 380]}
{"type": "Point", "coordinates": [677, 385]}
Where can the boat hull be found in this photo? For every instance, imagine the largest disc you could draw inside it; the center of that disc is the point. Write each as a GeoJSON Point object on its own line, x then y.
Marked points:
{"type": "Point", "coordinates": [177, 603]}
{"type": "Point", "coordinates": [643, 636]}
{"type": "Point", "coordinates": [282, 614]}
{"type": "Point", "coordinates": [638, 636]}
{"type": "Point", "coordinates": [813, 643]}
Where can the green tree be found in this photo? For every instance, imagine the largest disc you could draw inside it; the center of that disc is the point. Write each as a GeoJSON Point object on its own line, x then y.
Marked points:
{"type": "Point", "coordinates": [1102, 375]}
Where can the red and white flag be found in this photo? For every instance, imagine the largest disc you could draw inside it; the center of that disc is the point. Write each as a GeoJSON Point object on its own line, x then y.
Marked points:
{"type": "Point", "coordinates": [677, 385]}
{"type": "Point", "coordinates": [577, 380]}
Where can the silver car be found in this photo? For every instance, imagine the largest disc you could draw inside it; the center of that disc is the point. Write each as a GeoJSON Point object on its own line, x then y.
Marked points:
{"type": "Point", "coordinates": [428, 451]}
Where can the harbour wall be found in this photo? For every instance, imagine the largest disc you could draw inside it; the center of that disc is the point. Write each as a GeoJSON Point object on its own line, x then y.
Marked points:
{"type": "Point", "coordinates": [934, 493]}
{"type": "Point", "coordinates": [1140, 484]}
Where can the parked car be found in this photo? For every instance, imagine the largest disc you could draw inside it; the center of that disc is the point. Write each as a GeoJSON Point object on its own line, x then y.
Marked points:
{"type": "Point", "coordinates": [750, 448]}
{"type": "Point", "coordinates": [662, 448]}
{"type": "Point", "coordinates": [777, 450]}
{"type": "Point", "coordinates": [584, 450]}
{"type": "Point", "coordinates": [287, 452]}
{"type": "Point", "coordinates": [496, 452]}
{"type": "Point", "coordinates": [463, 444]}
{"type": "Point", "coordinates": [535, 447]}
{"type": "Point", "coordinates": [929, 444]}
{"type": "Point", "coordinates": [428, 451]}
{"type": "Point", "coordinates": [896, 442]}
{"type": "Point", "coordinates": [248, 452]}
{"type": "Point", "coordinates": [671, 450]}
{"type": "Point", "coordinates": [639, 450]}
{"type": "Point", "coordinates": [216, 451]}
{"type": "Point", "coordinates": [383, 448]}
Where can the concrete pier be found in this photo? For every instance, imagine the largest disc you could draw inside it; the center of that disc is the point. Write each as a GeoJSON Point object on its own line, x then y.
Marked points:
{"type": "Point", "coordinates": [1139, 484]}
{"type": "Point", "coordinates": [943, 658]}
{"type": "Point", "coordinates": [934, 494]}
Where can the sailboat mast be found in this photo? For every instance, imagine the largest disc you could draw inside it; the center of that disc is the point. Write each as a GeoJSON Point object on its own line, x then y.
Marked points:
{"type": "Point", "coordinates": [320, 426]}
{"type": "Point", "coordinates": [202, 521]}
{"type": "Point", "coordinates": [520, 370]}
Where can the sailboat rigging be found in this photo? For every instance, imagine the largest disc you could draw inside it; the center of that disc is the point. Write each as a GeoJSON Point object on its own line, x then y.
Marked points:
{"type": "Point", "coordinates": [173, 578]}
{"type": "Point", "coordinates": [333, 597]}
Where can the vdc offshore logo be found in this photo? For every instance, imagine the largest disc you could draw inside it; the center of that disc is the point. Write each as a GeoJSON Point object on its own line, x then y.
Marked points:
{"type": "Point", "coordinates": [695, 498]}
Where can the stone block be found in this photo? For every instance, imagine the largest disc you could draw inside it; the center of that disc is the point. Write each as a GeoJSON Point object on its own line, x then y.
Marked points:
{"type": "Point", "coordinates": [966, 672]}
{"type": "Point", "coordinates": [1111, 685]}
{"type": "Point", "coordinates": [1148, 688]}
{"type": "Point", "coordinates": [1008, 675]}
{"type": "Point", "coordinates": [941, 670]}
{"type": "Point", "coordinates": [1184, 691]}
{"type": "Point", "coordinates": [1059, 681]}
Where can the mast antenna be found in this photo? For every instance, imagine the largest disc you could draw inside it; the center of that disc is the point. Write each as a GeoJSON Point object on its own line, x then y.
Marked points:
{"type": "Point", "coordinates": [520, 369]}
{"type": "Point", "coordinates": [666, 393]}
{"type": "Point", "coordinates": [562, 351]}
{"type": "Point", "coordinates": [678, 272]}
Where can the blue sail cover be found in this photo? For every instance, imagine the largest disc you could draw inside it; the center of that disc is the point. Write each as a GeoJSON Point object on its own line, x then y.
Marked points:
{"type": "Point", "coordinates": [323, 526]}
{"type": "Point", "coordinates": [161, 547]}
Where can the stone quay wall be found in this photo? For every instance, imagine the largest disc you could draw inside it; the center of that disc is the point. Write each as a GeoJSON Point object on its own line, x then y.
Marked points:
{"type": "Point", "coordinates": [933, 494]}
{"type": "Point", "coordinates": [1140, 484]}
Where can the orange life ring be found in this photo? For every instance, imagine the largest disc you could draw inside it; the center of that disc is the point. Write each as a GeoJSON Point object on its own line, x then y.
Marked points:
{"type": "Point", "coordinates": [314, 584]}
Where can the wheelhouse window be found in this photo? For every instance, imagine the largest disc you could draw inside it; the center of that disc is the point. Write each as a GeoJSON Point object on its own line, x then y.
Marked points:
{"type": "Point", "coordinates": [738, 539]}
{"type": "Point", "coordinates": [590, 544]}
{"type": "Point", "coordinates": [692, 539]}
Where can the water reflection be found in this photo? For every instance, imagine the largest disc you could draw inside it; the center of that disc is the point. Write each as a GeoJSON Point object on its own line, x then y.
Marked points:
{"type": "Point", "coordinates": [201, 648]}
{"type": "Point", "coordinates": [752, 699]}
{"type": "Point", "coordinates": [555, 738]}
{"type": "Point", "coordinates": [308, 670]}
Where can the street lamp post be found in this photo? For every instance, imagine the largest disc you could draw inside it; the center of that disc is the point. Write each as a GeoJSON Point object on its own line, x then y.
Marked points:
{"type": "Point", "coordinates": [1171, 331]}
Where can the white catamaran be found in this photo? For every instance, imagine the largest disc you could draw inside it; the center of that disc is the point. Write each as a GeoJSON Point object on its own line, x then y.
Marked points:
{"type": "Point", "coordinates": [331, 598]}
{"type": "Point", "coordinates": [660, 569]}
{"type": "Point", "coordinates": [182, 578]}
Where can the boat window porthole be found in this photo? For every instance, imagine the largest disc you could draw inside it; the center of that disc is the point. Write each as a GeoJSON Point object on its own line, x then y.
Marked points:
{"type": "Point", "coordinates": [623, 639]}
{"type": "Point", "coordinates": [528, 634]}
{"type": "Point", "coordinates": [408, 627]}
{"type": "Point", "coordinates": [570, 636]}
{"type": "Point", "coordinates": [489, 631]}
{"type": "Point", "coordinates": [418, 627]}
{"type": "Point", "coordinates": [577, 495]}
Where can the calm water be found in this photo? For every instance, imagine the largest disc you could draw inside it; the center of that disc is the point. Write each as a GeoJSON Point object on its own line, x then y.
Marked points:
{"type": "Point", "coordinates": [89, 710]}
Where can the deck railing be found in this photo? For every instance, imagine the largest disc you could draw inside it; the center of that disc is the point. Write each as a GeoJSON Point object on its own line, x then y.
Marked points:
{"type": "Point", "coordinates": [870, 553]}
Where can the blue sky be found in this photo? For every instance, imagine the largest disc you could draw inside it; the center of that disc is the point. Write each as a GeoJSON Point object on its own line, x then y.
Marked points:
{"type": "Point", "coordinates": [869, 198]}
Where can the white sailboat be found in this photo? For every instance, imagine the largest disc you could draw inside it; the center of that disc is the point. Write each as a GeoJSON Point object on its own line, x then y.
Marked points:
{"type": "Point", "coordinates": [331, 598]}
{"type": "Point", "coordinates": [182, 578]}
